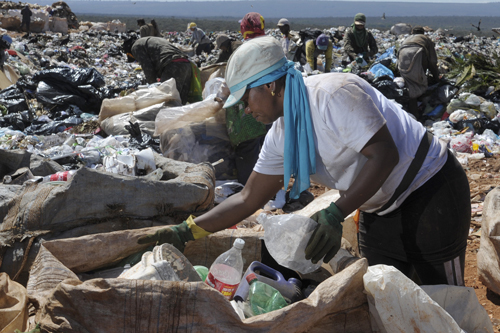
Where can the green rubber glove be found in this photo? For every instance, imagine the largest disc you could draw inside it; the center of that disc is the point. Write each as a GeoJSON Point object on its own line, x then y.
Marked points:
{"type": "Point", "coordinates": [326, 238]}
{"type": "Point", "coordinates": [178, 236]}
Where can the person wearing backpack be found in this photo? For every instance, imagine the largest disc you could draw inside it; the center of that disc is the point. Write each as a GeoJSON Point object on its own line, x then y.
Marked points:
{"type": "Point", "coordinates": [417, 55]}
{"type": "Point", "coordinates": [322, 45]}
{"type": "Point", "coordinates": [358, 40]}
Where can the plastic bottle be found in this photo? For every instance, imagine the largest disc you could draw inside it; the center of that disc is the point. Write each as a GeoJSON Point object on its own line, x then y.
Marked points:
{"type": "Point", "coordinates": [59, 176]}
{"type": "Point", "coordinates": [262, 297]}
{"type": "Point", "coordinates": [226, 271]}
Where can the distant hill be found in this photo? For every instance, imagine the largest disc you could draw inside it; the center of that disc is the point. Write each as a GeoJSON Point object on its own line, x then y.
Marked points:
{"type": "Point", "coordinates": [279, 8]}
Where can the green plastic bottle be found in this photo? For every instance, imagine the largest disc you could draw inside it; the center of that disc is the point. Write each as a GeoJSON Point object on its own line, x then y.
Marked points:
{"type": "Point", "coordinates": [262, 297]}
{"type": "Point", "coordinates": [202, 272]}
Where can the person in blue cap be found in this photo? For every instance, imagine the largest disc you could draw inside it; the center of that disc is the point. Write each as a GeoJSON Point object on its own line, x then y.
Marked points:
{"type": "Point", "coordinates": [322, 45]}
{"type": "Point", "coordinates": [341, 132]}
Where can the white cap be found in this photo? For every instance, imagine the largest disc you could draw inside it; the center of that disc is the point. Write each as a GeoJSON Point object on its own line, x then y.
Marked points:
{"type": "Point", "coordinates": [251, 61]}
{"type": "Point", "coordinates": [283, 22]}
{"type": "Point", "coordinates": [239, 243]}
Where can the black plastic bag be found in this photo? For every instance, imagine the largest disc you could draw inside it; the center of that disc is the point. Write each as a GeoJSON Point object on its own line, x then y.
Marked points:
{"type": "Point", "coordinates": [53, 126]}
{"type": "Point", "coordinates": [446, 93]}
{"type": "Point", "coordinates": [141, 140]}
{"type": "Point", "coordinates": [13, 99]}
{"type": "Point", "coordinates": [15, 121]}
{"type": "Point", "coordinates": [72, 76]}
{"type": "Point", "coordinates": [388, 88]}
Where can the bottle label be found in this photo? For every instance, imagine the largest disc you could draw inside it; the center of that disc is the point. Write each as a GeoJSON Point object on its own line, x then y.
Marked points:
{"type": "Point", "coordinates": [59, 176]}
{"type": "Point", "coordinates": [225, 289]}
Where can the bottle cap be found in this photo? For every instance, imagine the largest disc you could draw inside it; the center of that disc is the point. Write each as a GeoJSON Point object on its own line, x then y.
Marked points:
{"type": "Point", "coordinates": [239, 243]}
{"type": "Point", "coordinates": [250, 277]}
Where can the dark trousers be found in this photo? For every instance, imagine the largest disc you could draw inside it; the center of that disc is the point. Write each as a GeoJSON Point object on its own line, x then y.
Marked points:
{"type": "Point", "coordinates": [181, 72]}
{"type": "Point", "coordinates": [427, 234]}
{"type": "Point", "coordinates": [206, 47]}
{"type": "Point", "coordinates": [27, 23]}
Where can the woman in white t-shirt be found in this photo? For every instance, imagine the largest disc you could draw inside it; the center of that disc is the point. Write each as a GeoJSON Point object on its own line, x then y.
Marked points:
{"type": "Point", "coordinates": [342, 133]}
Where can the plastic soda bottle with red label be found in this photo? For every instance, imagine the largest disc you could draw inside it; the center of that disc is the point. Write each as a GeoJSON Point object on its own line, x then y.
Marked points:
{"type": "Point", "coordinates": [59, 176]}
{"type": "Point", "coordinates": [226, 271]}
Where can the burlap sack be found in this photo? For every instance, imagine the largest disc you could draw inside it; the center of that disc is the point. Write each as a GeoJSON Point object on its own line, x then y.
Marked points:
{"type": "Point", "coordinates": [95, 202]}
{"type": "Point", "coordinates": [13, 305]}
{"type": "Point", "coordinates": [488, 260]}
{"type": "Point", "coordinates": [64, 303]}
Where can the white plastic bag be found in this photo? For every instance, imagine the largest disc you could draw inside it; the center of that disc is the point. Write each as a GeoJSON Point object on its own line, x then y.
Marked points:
{"type": "Point", "coordinates": [286, 237]}
{"type": "Point", "coordinates": [397, 304]}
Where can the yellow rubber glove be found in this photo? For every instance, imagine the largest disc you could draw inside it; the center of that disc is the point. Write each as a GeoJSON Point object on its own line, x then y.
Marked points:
{"type": "Point", "coordinates": [177, 235]}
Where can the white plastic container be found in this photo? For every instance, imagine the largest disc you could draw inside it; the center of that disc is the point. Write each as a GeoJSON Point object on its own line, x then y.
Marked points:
{"type": "Point", "coordinates": [226, 271]}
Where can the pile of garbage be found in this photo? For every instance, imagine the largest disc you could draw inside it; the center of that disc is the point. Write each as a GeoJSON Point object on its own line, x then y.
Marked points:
{"type": "Point", "coordinates": [79, 122]}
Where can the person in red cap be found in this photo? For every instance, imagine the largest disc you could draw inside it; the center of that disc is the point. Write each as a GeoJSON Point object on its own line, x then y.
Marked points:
{"type": "Point", "coordinates": [252, 25]}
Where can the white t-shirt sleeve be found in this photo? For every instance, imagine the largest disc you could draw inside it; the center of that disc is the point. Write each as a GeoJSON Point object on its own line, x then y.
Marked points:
{"type": "Point", "coordinates": [352, 116]}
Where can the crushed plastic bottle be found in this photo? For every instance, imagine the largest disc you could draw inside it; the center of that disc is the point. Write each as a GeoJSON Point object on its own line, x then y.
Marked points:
{"type": "Point", "coordinates": [262, 297]}
{"type": "Point", "coordinates": [226, 271]}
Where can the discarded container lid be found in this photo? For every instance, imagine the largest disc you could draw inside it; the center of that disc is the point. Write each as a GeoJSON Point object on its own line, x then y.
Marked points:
{"type": "Point", "coordinates": [239, 243]}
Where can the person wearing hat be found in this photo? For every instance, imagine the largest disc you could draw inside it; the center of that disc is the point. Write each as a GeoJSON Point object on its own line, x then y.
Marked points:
{"type": "Point", "coordinates": [322, 45]}
{"type": "Point", "coordinates": [227, 47]}
{"type": "Point", "coordinates": [344, 134]}
{"type": "Point", "coordinates": [252, 25]}
{"type": "Point", "coordinates": [417, 55]}
{"type": "Point", "coordinates": [160, 60]}
{"type": "Point", "coordinates": [358, 40]}
{"type": "Point", "coordinates": [289, 41]}
{"type": "Point", "coordinates": [147, 30]}
{"type": "Point", "coordinates": [5, 43]}
{"type": "Point", "coordinates": [199, 40]}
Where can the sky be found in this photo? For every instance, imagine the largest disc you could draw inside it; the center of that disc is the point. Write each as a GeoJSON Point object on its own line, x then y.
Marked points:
{"type": "Point", "coordinates": [438, 1]}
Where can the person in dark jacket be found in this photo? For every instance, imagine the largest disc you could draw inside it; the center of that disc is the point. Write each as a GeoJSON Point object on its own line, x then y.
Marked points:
{"type": "Point", "coordinates": [358, 40]}
{"type": "Point", "coordinates": [26, 13]}
{"type": "Point", "coordinates": [147, 30]}
{"type": "Point", "coordinates": [161, 60]}
{"type": "Point", "coordinates": [417, 55]}
{"type": "Point", "coordinates": [227, 46]}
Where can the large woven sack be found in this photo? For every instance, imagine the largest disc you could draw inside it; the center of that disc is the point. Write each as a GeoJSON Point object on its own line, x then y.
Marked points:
{"type": "Point", "coordinates": [166, 93]}
{"type": "Point", "coordinates": [58, 24]}
{"type": "Point", "coordinates": [13, 305]}
{"type": "Point", "coordinates": [64, 303]}
{"type": "Point", "coordinates": [93, 202]}
{"type": "Point", "coordinates": [117, 27]}
{"type": "Point", "coordinates": [488, 258]}
{"type": "Point", "coordinates": [10, 22]}
{"type": "Point", "coordinates": [207, 71]}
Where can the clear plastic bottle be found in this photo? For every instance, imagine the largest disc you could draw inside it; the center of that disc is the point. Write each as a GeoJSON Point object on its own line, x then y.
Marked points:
{"type": "Point", "coordinates": [262, 297]}
{"type": "Point", "coordinates": [59, 176]}
{"type": "Point", "coordinates": [226, 271]}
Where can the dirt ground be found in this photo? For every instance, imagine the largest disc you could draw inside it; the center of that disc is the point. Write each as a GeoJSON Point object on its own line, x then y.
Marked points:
{"type": "Point", "coordinates": [483, 176]}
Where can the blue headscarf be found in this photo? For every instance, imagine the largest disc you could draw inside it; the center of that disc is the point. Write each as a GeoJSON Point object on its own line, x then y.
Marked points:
{"type": "Point", "coordinates": [300, 151]}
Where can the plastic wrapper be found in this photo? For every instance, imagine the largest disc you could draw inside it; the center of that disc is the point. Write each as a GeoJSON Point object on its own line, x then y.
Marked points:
{"type": "Point", "coordinates": [462, 143]}
{"type": "Point", "coordinates": [488, 108]}
{"type": "Point", "coordinates": [286, 238]}
{"type": "Point", "coordinates": [459, 115]}
{"type": "Point", "coordinates": [397, 304]}
{"type": "Point", "coordinates": [380, 70]}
